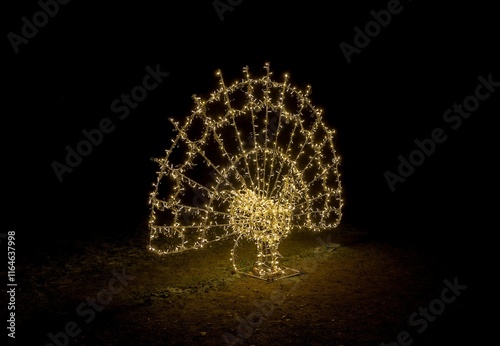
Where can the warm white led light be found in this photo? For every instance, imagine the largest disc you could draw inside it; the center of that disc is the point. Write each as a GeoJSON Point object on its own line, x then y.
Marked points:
{"type": "Point", "coordinates": [254, 161]}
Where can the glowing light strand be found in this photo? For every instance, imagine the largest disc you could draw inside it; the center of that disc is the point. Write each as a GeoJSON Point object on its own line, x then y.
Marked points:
{"type": "Point", "coordinates": [258, 194]}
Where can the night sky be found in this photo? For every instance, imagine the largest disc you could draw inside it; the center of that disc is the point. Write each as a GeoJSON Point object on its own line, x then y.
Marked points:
{"type": "Point", "coordinates": [395, 90]}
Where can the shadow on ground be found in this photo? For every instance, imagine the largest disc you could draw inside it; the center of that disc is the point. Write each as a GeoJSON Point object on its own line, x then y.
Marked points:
{"type": "Point", "coordinates": [355, 290]}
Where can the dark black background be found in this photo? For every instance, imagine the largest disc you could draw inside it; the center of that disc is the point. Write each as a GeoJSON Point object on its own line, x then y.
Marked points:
{"type": "Point", "coordinates": [394, 91]}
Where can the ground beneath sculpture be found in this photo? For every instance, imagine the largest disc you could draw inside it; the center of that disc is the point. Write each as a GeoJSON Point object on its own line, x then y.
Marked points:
{"type": "Point", "coordinates": [355, 290]}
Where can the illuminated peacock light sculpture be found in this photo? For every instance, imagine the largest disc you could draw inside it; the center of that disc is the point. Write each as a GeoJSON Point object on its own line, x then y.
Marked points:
{"type": "Point", "coordinates": [254, 161]}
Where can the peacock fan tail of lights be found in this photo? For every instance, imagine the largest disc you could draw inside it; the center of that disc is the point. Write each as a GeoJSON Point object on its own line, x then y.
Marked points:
{"type": "Point", "coordinates": [254, 161]}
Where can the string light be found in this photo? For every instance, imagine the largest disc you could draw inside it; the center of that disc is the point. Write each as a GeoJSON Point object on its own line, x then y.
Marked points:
{"type": "Point", "coordinates": [254, 161]}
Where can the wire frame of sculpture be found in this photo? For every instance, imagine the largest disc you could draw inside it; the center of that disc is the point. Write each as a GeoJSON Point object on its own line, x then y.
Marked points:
{"type": "Point", "coordinates": [254, 161]}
